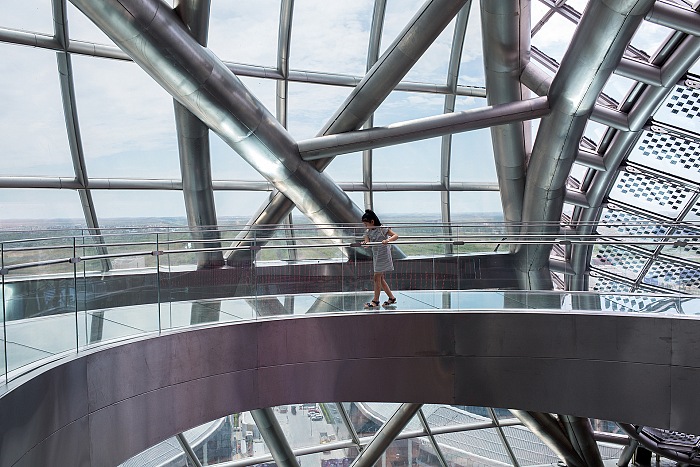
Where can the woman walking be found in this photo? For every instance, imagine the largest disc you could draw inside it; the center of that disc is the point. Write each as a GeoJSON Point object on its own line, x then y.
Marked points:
{"type": "Point", "coordinates": [381, 256]}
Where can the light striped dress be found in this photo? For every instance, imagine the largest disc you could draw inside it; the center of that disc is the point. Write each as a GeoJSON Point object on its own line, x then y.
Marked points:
{"type": "Point", "coordinates": [381, 254]}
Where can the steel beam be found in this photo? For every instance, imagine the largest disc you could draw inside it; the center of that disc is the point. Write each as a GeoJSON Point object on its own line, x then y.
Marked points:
{"type": "Point", "coordinates": [150, 32]}
{"type": "Point", "coordinates": [595, 50]}
{"type": "Point", "coordinates": [505, 27]}
{"type": "Point", "coordinates": [377, 84]}
{"type": "Point", "coordinates": [580, 434]}
{"type": "Point", "coordinates": [191, 456]}
{"type": "Point", "coordinates": [193, 149]}
{"type": "Point", "coordinates": [675, 17]}
{"type": "Point", "coordinates": [386, 434]}
{"type": "Point", "coordinates": [271, 431]}
{"type": "Point", "coordinates": [70, 112]}
{"type": "Point", "coordinates": [423, 128]}
{"type": "Point", "coordinates": [549, 431]}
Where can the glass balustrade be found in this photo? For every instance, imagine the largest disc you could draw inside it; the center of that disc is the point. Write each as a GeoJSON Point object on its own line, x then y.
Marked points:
{"type": "Point", "coordinates": [66, 291]}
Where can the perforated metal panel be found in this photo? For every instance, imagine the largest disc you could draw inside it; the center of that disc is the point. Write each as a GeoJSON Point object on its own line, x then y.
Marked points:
{"type": "Point", "coordinates": [684, 101]}
{"type": "Point", "coordinates": [603, 284]}
{"type": "Point", "coordinates": [674, 275]}
{"type": "Point", "coordinates": [614, 222]}
{"type": "Point", "coordinates": [619, 261]}
{"type": "Point", "coordinates": [627, 303]}
{"type": "Point", "coordinates": [673, 150]}
{"type": "Point", "coordinates": [654, 195]}
{"type": "Point", "coordinates": [686, 244]}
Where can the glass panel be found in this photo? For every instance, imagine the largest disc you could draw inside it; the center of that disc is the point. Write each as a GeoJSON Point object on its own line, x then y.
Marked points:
{"type": "Point", "coordinates": [475, 447]}
{"type": "Point", "coordinates": [539, 9]}
{"type": "Point", "coordinates": [406, 452]}
{"type": "Point", "coordinates": [528, 448]}
{"type": "Point", "coordinates": [82, 29]}
{"type": "Point", "coordinates": [595, 131]}
{"type": "Point", "coordinates": [27, 209]}
{"type": "Point", "coordinates": [212, 442]}
{"type": "Point", "coordinates": [476, 206]}
{"type": "Point", "coordinates": [619, 261]}
{"type": "Point", "coordinates": [41, 320]}
{"type": "Point", "coordinates": [668, 153]}
{"type": "Point", "coordinates": [310, 106]}
{"type": "Point", "coordinates": [649, 37]}
{"type": "Point", "coordinates": [681, 108]}
{"type": "Point", "coordinates": [630, 227]}
{"type": "Point", "coordinates": [331, 36]}
{"type": "Point", "coordinates": [368, 417]}
{"type": "Point", "coordinates": [119, 208]}
{"type": "Point", "coordinates": [617, 87]}
{"type": "Point", "coordinates": [28, 15]}
{"type": "Point", "coordinates": [440, 415]}
{"type": "Point", "coordinates": [471, 67]}
{"type": "Point", "coordinates": [432, 66]}
{"type": "Point", "coordinates": [334, 458]}
{"type": "Point", "coordinates": [578, 5]}
{"type": "Point", "coordinates": [234, 208]}
{"type": "Point", "coordinates": [311, 424]}
{"type": "Point", "coordinates": [472, 157]}
{"type": "Point", "coordinates": [245, 31]}
{"type": "Point", "coordinates": [169, 452]}
{"type": "Point", "coordinates": [398, 14]}
{"type": "Point", "coordinates": [346, 168]}
{"type": "Point", "coordinates": [32, 142]}
{"type": "Point", "coordinates": [603, 284]}
{"type": "Point", "coordinates": [654, 195]}
{"type": "Point", "coordinates": [554, 37]}
{"type": "Point", "coordinates": [418, 161]}
{"type": "Point", "coordinates": [127, 121]}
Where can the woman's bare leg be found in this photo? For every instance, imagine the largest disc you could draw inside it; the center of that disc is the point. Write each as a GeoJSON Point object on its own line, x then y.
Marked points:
{"type": "Point", "coordinates": [386, 288]}
{"type": "Point", "coordinates": [377, 285]}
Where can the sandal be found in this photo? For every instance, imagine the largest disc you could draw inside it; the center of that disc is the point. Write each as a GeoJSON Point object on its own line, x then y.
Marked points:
{"type": "Point", "coordinates": [389, 302]}
{"type": "Point", "coordinates": [372, 304]}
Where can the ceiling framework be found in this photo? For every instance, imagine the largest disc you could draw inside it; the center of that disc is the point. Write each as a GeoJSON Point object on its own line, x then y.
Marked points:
{"type": "Point", "coordinates": [540, 183]}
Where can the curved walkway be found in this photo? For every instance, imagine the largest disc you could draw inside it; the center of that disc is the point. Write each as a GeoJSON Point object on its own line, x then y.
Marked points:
{"type": "Point", "coordinates": [100, 407]}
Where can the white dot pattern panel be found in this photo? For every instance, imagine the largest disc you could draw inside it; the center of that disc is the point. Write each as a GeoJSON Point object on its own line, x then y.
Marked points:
{"type": "Point", "coordinates": [620, 261]}
{"type": "Point", "coordinates": [654, 195]}
{"type": "Point", "coordinates": [603, 284]}
{"type": "Point", "coordinates": [673, 150]}
{"type": "Point", "coordinates": [687, 244]}
{"type": "Point", "coordinates": [628, 303]}
{"type": "Point", "coordinates": [615, 222]}
{"type": "Point", "coordinates": [684, 101]}
{"type": "Point", "coordinates": [694, 213]}
{"type": "Point", "coordinates": [674, 275]}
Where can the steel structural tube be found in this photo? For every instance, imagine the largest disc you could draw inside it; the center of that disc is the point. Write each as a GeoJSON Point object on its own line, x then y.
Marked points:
{"type": "Point", "coordinates": [272, 433]}
{"type": "Point", "coordinates": [377, 84]}
{"type": "Point", "coordinates": [193, 148]}
{"type": "Point", "coordinates": [676, 65]}
{"type": "Point", "coordinates": [506, 43]}
{"type": "Point", "coordinates": [422, 128]}
{"type": "Point", "coordinates": [150, 32]}
{"type": "Point", "coordinates": [386, 434]}
{"type": "Point", "coordinates": [580, 434]}
{"type": "Point", "coordinates": [544, 426]}
{"type": "Point", "coordinates": [595, 50]}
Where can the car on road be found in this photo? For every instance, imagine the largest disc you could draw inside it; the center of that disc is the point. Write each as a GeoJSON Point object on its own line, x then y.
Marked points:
{"type": "Point", "coordinates": [316, 417]}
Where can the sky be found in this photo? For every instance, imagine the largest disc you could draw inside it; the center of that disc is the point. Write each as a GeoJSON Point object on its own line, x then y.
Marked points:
{"type": "Point", "coordinates": [127, 123]}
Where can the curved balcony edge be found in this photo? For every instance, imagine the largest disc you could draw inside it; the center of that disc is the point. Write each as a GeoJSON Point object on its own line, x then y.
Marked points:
{"type": "Point", "coordinates": [104, 406]}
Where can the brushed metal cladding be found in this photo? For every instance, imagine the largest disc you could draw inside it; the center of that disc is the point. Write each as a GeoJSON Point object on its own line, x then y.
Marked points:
{"type": "Point", "coordinates": [506, 43]}
{"type": "Point", "coordinates": [55, 447]}
{"type": "Point", "coordinates": [156, 39]}
{"type": "Point", "coordinates": [149, 389]}
{"type": "Point", "coordinates": [595, 51]}
{"type": "Point", "coordinates": [31, 413]}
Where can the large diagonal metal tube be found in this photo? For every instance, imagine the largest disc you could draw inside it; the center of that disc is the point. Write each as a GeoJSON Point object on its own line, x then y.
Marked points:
{"type": "Point", "coordinates": [377, 84]}
{"type": "Point", "coordinates": [272, 434]}
{"type": "Point", "coordinates": [193, 147]}
{"type": "Point", "coordinates": [596, 48]}
{"type": "Point", "coordinates": [423, 128]}
{"type": "Point", "coordinates": [506, 43]}
{"type": "Point", "coordinates": [151, 33]}
{"type": "Point", "coordinates": [386, 434]}
{"type": "Point", "coordinates": [547, 429]}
